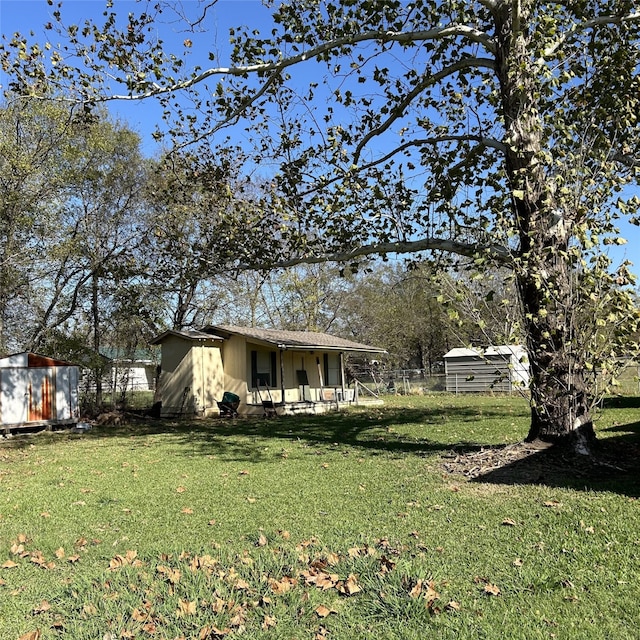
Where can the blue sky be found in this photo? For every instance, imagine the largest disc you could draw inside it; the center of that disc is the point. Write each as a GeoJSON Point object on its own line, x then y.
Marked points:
{"type": "Point", "coordinates": [30, 15]}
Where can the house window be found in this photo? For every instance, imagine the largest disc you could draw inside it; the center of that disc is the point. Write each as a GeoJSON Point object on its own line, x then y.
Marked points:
{"type": "Point", "coordinates": [332, 369]}
{"type": "Point", "coordinates": [263, 369]}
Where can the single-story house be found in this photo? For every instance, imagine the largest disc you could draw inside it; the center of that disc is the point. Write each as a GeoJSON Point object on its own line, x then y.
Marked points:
{"type": "Point", "coordinates": [503, 368]}
{"type": "Point", "coordinates": [286, 371]}
{"type": "Point", "coordinates": [129, 374]}
{"type": "Point", "coordinates": [36, 390]}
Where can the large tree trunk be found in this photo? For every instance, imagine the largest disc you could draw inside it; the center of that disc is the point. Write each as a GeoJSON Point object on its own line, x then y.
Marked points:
{"type": "Point", "coordinates": [559, 399]}
{"type": "Point", "coordinates": [560, 408]}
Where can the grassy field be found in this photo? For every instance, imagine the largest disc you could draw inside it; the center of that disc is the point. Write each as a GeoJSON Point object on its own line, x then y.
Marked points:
{"type": "Point", "coordinates": [343, 526]}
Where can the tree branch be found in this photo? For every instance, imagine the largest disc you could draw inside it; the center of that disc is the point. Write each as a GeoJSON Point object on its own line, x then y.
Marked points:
{"type": "Point", "coordinates": [589, 24]}
{"type": "Point", "coordinates": [627, 159]}
{"type": "Point", "coordinates": [229, 120]}
{"type": "Point", "coordinates": [482, 143]}
{"type": "Point", "coordinates": [397, 111]}
{"type": "Point", "coordinates": [453, 31]}
{"type": "Point", "coordinates": [496, 252]}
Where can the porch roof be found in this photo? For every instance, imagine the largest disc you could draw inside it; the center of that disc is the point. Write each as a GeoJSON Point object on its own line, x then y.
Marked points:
{"type": "Point", "coordinates": [192, 335]}
{"type": "Point", "coordinates": [295, 340]}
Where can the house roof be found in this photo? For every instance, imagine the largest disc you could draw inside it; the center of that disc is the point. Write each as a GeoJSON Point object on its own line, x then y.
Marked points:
{"type": "Point", "coordinates": [295, 340]}
{"type": "Point", "coordinates": [30, 359]}
{"type": "Point", "coordinates": [192, 335]}
{"type": "Point", "coordinates": [508, 349]}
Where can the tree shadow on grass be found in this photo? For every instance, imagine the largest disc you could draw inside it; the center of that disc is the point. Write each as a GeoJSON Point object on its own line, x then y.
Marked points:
{"type": "Point", "coordinates": [615, 467]}
{"type": "Point", "coordinates": [245, 439]}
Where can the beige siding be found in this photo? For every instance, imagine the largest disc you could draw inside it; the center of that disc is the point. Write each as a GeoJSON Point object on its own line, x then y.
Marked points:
{"type": "Point", "coordinates": [208, 378]}
{"type": "Point", "coordinates": [234, 357]}
{"type": "Point", "coordinates": [192, 379]}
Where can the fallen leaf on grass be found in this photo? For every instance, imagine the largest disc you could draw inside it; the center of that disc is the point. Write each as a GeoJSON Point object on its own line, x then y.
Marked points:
{"type": "Point", "coordinates": [322, 611]}
{"type": "Point", "coordinates": [508, 522]}
{"type": "Point", "coordinates": [269, 621]}
{"type": "Point", "coordinates": [416, 590]}
{"type": "Point", "coordinates": [140, 616]}
{"type": "Point", "coordinates": [262, 541]}
{"type": "Point", "coordinates": [41, 561]}
{"type": "Point", "coordinates": [349, 586]}
{"type": "Point", "coordinates": [321, 579]}
{"type": "Point", "coordinates": [31, 635]}
{"type": "Point", "coordinates": [60, 553]}
{"type": "Point", "coordinates": [386, 565]}
{"type": "Point", "coordinates": [282, 586]}
{"type": "Point", "coordinates": [119, 561]}
{"type": "Point", "coordinates": [181, 489]}
{"type": "Point", "coordinates": [209, 633]}
{"type": "Point", "coordinates": [492, 589]}
{"type": "Point", "coordinates": [453, 606]}
{"type": "Point", "coordinates": [242, 585]}
{"type": "Point", "coordinates": [238, 619]}
{"type": "Point", "coordinates": [172, 575]}
{"type": "Point", "coordinates": [42, 607]}
{"type": "Point", "coordinates": [9, 564]}
{"type": "Point", "coordinates": [205, 562]}
{"type": "Point", "coordinates": [187, 510]}
{"type": "Point", "coordinates": [185, 608]}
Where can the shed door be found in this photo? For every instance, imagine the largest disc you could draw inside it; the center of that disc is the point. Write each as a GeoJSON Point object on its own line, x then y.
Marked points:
{"type": "Point", "coordinates": [41, 394]}
{"type": "Point", "coordinates": [66, 393]}
{"type": "Point", "coordinates": [13, 396]}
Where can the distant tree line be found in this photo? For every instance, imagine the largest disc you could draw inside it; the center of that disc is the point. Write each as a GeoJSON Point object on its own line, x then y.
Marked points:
{"type": "Point", "coordinates": [101, 248]}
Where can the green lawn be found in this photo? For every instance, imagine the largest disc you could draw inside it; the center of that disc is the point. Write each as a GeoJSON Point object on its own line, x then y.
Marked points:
{"type": "Point", "coordinates": [342, 526]}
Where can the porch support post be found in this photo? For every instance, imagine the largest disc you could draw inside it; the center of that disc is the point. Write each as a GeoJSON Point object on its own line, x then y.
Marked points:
{"type": "Point", "coordinates": [282, 385]}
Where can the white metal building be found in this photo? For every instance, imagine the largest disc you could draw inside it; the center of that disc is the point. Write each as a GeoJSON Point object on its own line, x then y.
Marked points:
{"type": "Point", "coordinates": [37, 390]}
{"type": "Point", "coordinates": [499, 369]}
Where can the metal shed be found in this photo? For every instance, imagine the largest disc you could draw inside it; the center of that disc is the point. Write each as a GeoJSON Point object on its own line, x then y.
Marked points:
{"type": "Point", "coordinates": [500, 369]}
{"type": "Point", "coordinates": [37, 390]}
